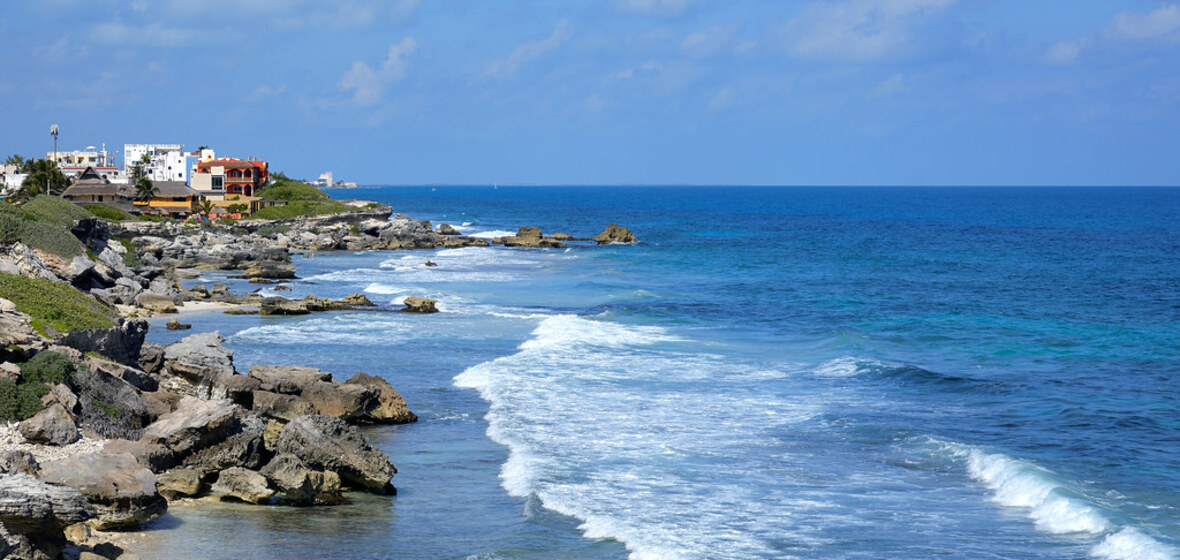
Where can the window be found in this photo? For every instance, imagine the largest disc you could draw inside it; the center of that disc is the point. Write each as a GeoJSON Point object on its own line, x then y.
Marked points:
{"type": "Point", "coordinates": [217, 183]}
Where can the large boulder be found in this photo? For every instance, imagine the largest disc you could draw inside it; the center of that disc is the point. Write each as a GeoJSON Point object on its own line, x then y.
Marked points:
{"type": "Point", "coordinates": [282, 306]}
{"type": "Point", "coordinates": [290, 380]}
{"type": "Point", "coordinates": [34, 515]}
{"type": "Point", "coordinates": [242, 484]}
{"type": "Point", "coordinates": [121, 344]}
{"type": "Point", "coordinates": [53, 426]}
{"type": "Point", "coordinates": [356, 300]}
{"type": "Point", "coordinates": [327, 443]}
{"type": "Point", "coordinates": [299, 485]}
{"type": "Point", "coordinates": [615, 233]}
{"type": "Point", "coordinates": [122, 491]}
{"type": "Point", "coordinates": [194, 425]}
{"type": "Point", "coordinates": [17, 461]}
{"type": "Point", "coordinates": [156, 303]}
{"type": "Point", "coordinates": [530, 237]}
{"type": "Point", "coordinates": [415, 304]}
{"type": "Point", "coordinates": [179, 483]}
{"type": "Point", "coordinates": [198, 365]}
{"type": "Point", "coordinates": [391, 407]}
{"type": "Point", "coordinates": [244, 448]}
{"type": "Point", "coordinates": [281, 406]}
{"type": "Point", "coordinates": [270, 270]}
{"type": "Point", "coordinates": [155, 456]}
{"type": "Point", "coordinates": [350, 402]}
{"type": "Point", "coordinates": [110, 406]}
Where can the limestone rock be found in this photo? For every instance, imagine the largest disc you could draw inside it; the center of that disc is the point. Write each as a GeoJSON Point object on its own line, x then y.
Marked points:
{"type": "Point", "coordinates": [357, 300]}
{"type": "Point", "coordinates": [155, 456]}
{"type": "Point", "coordinates": [109, 406]}
{"type": "Point", "coordinates": [242, 484]}
{"type": "Point", "coordinates": [327, 443]}
{"type": "Point", "coordinates": [290, 380]}
{"type": "Point", "coordinates": [34, 515]}
{"type": "Point", "coordinates": [446, 229]}
{"type": "Point", "coordinates": [199, 365]}
{"type": "Point", "coordinates": [52, 426]}
{"type": "Point", "coordinates": [180, 482]}
{"type": "Point", "coordinates": [615, 233]}
{"type": "Point", "coordinates": [299, 485]}
{"type": "Point", "coordinates": [194, 425]}
{"type": "Point", "coordinates": [122, 491]}
{"type": "Point", "coordinates": [245, 448]}
{"type": "Point", "coordinates": [281, 406]}
{"type": "Point", "coordinates": [17, 461]}
{"type": "Point", "coordinates": [174, 325]}
{"type": "Point", "coordinates": [415, 304]}
{"type": "Point", "coordinates": [151, 357]}
{"type": "Point", "coordinates": [270, 270]}
{"type": "Point", "coordinates": [391, 408]}
{"type": "Point", "coordinates": [121, 344]}
{"type": "Point", "coordinates": [282, 306]}
{"type": "Point", "coordinates": [156, 303]}
{"type": "Point", "coordinates": [350, 402]}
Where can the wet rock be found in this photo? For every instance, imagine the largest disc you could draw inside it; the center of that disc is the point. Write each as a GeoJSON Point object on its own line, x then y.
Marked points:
{"type": "Point", "coordinates": [615, 233]}
{"type": "Point", "coordinates": [174, 325]}
{"type": "Point", "coordinates": [242, 484]}
{"type": "Point", "coordinates": [52, 426]}
{"type": "Point", "coordinates": [356, 300]}
{"type": "Point", "coordinates": [563, 237]}
{"type": "Point", "coordinates": [329, 444]}
{"type": "Point", "coordinates": [283, 306]}
{"type": "Point", "coordinates": [122, 491]}
{"type": "Point", "coordinates": [446, 229]}
{"type": "Point", "coordinates": [430, 264]}
{"type": "Point", "coordinates": [270, 271]}
{"type": "Point", "coordinates": [391, 408]}
{"type": "Point", "coordinates": [299, 485]}
{"type": "Point", "coordinates": [414, 304]}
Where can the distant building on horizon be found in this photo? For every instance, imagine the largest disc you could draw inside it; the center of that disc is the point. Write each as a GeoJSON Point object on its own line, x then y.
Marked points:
{"type": "Point", "coordinates": [163, 162]}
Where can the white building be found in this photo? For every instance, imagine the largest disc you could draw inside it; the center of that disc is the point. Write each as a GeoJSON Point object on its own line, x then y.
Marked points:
{"type": "Point", "coordinates": [75, 162]}
{"type": "Point", "coordinates": [165, 162]}
{"type": "Point", "coordinates": [10, 179]}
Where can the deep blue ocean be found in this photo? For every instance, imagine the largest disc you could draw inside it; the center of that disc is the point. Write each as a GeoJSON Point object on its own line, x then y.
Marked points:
{"type": "Point", "coordinates": [818, 373]}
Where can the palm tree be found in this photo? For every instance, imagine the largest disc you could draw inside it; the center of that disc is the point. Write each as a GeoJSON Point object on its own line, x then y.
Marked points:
{"type": "Point", "coordinates": [202, 207]}
{"type": "Point", "coordinates": [44, 177]}
{"type": "Point", "coordinates": [144, 189]}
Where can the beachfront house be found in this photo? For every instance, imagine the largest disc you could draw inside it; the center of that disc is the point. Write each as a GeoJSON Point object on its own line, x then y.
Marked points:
{"type": "Point", "coordinates": [171, 198]}
{"type": "Point", "coordinates": [222, 178]}
{"type": "Point", "coordinates": [92, 187]}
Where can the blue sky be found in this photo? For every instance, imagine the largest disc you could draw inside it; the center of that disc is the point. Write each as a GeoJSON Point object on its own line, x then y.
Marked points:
{"type": "Point", "coordinates": [834, 92]}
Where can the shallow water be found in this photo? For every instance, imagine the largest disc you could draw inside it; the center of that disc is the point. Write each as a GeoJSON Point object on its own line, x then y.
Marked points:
{"type": "Point", "coordinates": [772, 373]}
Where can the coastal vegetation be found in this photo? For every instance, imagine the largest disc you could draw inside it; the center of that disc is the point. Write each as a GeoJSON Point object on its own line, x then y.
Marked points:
{"type": "Point", "coordinates": [42, 226]}
{"type": "Point", "coordinates": [44, 177]}
{"type": "Point", "coordinates": [109, 213]}
{"type": "Point", "coordinates": [302, 200]}
{"type": "Point", "coordinates": [55, 305]}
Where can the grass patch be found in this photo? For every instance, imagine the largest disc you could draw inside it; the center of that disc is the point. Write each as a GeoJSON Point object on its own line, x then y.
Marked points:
{"type": "Point", "coordinates": [297, 208]}
{"type": "Point", "coordinates": [105, 212]}
{"type": "Point", "coordinates": [54, 210]}
{"type": "Point", "coordinates": [55, 305]}
{"type": "Point", "coordinates": [291, 190]}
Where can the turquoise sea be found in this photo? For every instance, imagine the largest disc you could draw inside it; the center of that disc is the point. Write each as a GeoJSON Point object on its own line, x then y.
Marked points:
{"type": "Point", "coordinates": [817, 373]}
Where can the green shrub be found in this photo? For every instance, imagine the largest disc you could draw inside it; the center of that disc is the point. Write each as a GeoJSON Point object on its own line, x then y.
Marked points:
{"type": "Point", "coordinates": [291, 190]}
{"type": "Point", "coordinates": [49, 237]}
{"type": "Point", "coordinates": [55, 305]}
{"type": "Point", "coordinates": [55, 210]}
{"type": "Point", "coordinates": [105, 212]}
{"type": "Point", "coordinates": [111, 410]}
{"type": "Point", "coordinates": [20, 401]}
{"type": "Point", "coordinates": [48, 367]}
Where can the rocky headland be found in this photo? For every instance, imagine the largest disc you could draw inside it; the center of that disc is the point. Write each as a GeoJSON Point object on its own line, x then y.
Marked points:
{"type": "Point", "coordinates": [114, 427]}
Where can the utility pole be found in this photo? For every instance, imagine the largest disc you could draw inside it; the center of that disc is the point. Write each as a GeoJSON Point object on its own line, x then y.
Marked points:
{"type": "Point", "coordinates": [52, 131]}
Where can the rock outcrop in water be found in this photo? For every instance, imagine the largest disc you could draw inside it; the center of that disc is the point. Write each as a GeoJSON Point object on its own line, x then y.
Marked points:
{"type": "Point", "coordinates": [615, 233]}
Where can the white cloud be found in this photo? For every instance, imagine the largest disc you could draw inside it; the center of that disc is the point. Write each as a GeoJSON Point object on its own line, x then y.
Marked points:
{"type": "Point", "coordinates": [723, 99]}
{"type": "Point", "coordinates": [708, 42]}
{"type": "Point", "coordinates": [858, 30]}
{"type": "Point", "coordinates": [338, 14]}
{"type": "Point", "coordinates": [893, 85]}
{"type": "Point", "coordinates": [369, 84]}
{"type": "Point", "coordinates": [528, 52]}
{"type": "Point", "coordinates": [1160, 24]}
{"type": "Point", "coordinates": [625, 74]}
{"type": "Point", "coordinates": [662, 8]}
{"type": "Point", "coordinates": [151, 35]}
{"type": "Point", "coordinates": [1064, 52]}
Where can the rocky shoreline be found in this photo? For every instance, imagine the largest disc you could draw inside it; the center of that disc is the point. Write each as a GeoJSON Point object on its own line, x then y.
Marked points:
{"type": "Point", "coordinates": [126, 426]}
